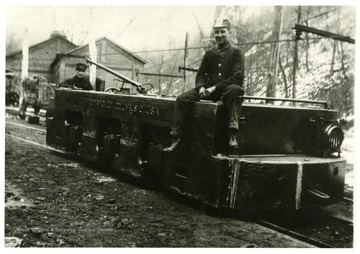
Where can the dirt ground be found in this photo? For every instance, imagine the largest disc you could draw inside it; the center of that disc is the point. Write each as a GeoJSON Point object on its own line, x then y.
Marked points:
{"type": "Point", "coordinates": [52, 200]}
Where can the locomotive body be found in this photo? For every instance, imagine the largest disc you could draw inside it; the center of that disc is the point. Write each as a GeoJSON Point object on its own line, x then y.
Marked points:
{"type": "Point", "coordinates": [288, 156]}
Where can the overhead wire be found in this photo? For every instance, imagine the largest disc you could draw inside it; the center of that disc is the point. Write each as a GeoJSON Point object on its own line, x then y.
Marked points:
{"type": "Point", "coordinates": [198, 47]}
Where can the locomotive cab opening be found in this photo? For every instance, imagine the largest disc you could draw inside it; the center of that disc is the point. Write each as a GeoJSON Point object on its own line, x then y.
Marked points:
{"type": "Point", "coordinates": [108, 136]}
{"type": "Point", "coordinates": [73, 130]}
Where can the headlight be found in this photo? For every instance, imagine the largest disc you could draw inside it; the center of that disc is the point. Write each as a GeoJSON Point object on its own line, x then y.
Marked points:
{"type": "Point", "coordinates": [334, 137]}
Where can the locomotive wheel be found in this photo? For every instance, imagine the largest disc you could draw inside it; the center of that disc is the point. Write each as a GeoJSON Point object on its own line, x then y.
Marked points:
{"type": "Point", "coordinates": [37, 107]}
{"type": "Point", "coordinates": [112, 90]}
{"type": "Point", "coordinates": [33, 120]}
{"type": "Point", "coordinates": [12, 99]}
{"type": "Point", "coordinates": [22, 109]}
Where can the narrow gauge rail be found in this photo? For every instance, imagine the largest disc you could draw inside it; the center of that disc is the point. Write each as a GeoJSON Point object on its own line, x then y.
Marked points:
{"type": "Point", "coordinates": [293, 234]}
{"type": "Point", "coordinates": [31, 139]}
{"type": "Point", "coordinates": [339, 217]}
{"type": "Point", "coordinates": [318, 227]}
{"type": "Point", "coordinates": [349, 200]}
{"type": "Point", "coordinates": [27, 127]}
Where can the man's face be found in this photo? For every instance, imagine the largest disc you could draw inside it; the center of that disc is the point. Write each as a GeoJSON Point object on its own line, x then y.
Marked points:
{"type": "Point", "coordinates": [80, 73]}
{"type": "Point", "coordinates": [221, 35]}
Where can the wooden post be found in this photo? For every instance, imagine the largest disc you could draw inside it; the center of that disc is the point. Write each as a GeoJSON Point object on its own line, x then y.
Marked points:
{"type": "Point", "coordinates": [132, 70]}
{"type": "Point", "coordinates": [24, 75]}
{"type": "Point", "coordinates": [185, 57]}
{"type": "Point", "coordinates": [160, 81]}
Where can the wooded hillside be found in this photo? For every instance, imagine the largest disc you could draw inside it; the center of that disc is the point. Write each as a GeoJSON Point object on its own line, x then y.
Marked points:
{"type": "Point", "coordinates": [278, 63]}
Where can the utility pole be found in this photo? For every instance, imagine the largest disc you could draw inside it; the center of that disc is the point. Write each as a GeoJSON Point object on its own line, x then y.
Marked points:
{"type": "Point", "coordinates": [297, 38]}
{"type": "Point", "coordinates": [92, 50]}
{"type": "Point", "coordinates": [278, 47]}
{"type": "Point", "coordinates": [274, 53]}
{"type": "Point", "coordinates": [25, 56]}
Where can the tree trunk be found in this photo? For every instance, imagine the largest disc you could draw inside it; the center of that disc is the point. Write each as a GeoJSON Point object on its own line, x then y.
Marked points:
{"type": "Point", "coordinates": [333, 59]}
{"type": "Point", "coordinates": [307, 42]}
{"type": "Point", "coordinates": [160, 82]}
{"type": "Point", "coordinates": [247, 87]}
{"type": "Point", "coordinates": [274, 55]}
{"type": "Point", "coordinates": [307, 50]}
{"type": "Point", "coordinates": [284, 78]}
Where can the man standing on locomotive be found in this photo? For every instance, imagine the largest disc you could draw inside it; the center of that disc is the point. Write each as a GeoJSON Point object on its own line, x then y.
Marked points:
{"type": "Point", "coordinates": [220, 77]}
{"type": "Point", "coordinates": [79, 81]}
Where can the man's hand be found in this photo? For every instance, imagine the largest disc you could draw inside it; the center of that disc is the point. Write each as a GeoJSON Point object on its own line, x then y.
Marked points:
{"type": "Point", "coordinates": [74, 87]}
{"type": "Point", "coordinates": [205, 93]}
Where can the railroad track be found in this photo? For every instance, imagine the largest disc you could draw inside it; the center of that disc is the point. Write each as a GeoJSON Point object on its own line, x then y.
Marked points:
{"type": "Point", "coordinates": [294, 234]}
{"type": "Point", "coordinates": [27, 139]}
{"type": "Point", "coordinates": [315, 226]}
{"type": "Point", "coordinates": [339, 217]}
{"type": "Point", "coordinates": [348, 200]}
{"type": "Point", "coordinates": [341, 221]}
{"type": "Point", "coordinates": [26, 127]}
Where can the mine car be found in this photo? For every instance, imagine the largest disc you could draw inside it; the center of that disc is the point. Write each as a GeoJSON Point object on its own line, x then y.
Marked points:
{"type": "Point", "coordinates": [288, 156]}
{"type": "Point", "coordinates": [12, 89]}
{"type": "Point", "coordinates": [35, 92]}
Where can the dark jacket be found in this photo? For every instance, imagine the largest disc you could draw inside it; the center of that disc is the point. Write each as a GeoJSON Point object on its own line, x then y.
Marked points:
{"type": "Point", "coordinates": [77, 83]}
{"type": "Point", "coordinates": [221, 68]}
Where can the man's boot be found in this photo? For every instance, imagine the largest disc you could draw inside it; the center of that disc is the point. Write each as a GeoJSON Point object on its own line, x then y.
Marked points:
{"type": "Point", "coordinates": [233, 145]}
{"type": "Point", "coordinates": [233, 142]}
{"type": "Point", "coordinates": [172, 147]}
{"type": "Point", "coordinates": [174, 144]}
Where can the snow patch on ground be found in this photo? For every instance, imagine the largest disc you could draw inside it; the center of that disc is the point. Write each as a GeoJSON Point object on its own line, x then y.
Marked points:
{"type": "Point", "coordinates": [348, 151]}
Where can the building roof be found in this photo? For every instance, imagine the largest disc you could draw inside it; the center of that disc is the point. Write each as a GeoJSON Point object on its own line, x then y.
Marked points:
{"type": "Point", "coordinates": [115, 44]}
{"type": "Point", "coordinates": [53, 36]}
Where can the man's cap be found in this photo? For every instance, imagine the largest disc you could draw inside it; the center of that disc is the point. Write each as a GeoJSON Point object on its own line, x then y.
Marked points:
{"type": "Point", "coordinates": [219, 23]}
{"type": "Point", "coordinates": [81, 67]}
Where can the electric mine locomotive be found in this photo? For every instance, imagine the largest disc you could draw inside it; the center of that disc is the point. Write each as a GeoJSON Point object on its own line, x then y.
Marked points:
{"type": "Point", "coordinates": [288, 156]}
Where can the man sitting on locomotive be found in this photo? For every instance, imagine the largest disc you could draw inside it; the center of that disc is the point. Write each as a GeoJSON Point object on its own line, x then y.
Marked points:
{"type": "Point", "coordinates": [220, 77]}
{"type": "Point", "coordinates": [79, 81]}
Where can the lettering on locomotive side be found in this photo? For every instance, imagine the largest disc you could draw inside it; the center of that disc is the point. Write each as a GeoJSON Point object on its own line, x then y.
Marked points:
{"type": "Point", "coordinates": [116, 105]}
{"type": "Point", "coordinates": [90, 134]}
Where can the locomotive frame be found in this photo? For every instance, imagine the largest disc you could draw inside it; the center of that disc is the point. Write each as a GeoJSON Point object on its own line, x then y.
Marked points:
{"type": "Point", "coordinates": [288, 156]}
